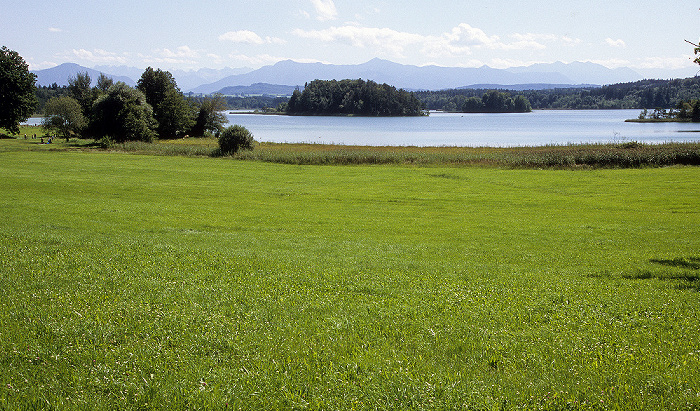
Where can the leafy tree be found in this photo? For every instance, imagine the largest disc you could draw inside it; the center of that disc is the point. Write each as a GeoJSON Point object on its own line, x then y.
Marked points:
{"type": "Point", "coordinates": [169, 106]}
{"type": "Point", "coordinates": [46, 93]}
{"type": "Point", "coordinates": [234, 138]}
{"type": "Point", "coordinates": [355, 97]}
{"type": "Point", "coordinates": [80, 89]}
{"type": "Point", "coordinates": [64, 116]}
{"type": "Point", "coordinates": [521, 104]}
{"type": "Point", "coordinates": [496, 102]}
{"type": "Point", "coordinates": [209, 118]}
{"type": "Point", "coordinates": [122, 115]}
{"type": "Point", "coordinates": [293, 106]}
{"type": "Point", "coordinates": [17, 90]}
{"type": "Point", "coordinates": [104, 83]}
{"type": "Point", "coordinates": [473, 105]}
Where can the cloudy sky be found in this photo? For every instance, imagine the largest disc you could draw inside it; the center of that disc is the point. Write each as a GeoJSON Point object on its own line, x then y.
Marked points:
{"type": "Point", "coordinates": [647, 36]}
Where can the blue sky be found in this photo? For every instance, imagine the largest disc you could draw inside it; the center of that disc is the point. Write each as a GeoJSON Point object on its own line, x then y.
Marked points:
{"type": "Point", "coordinates": [647, 36]}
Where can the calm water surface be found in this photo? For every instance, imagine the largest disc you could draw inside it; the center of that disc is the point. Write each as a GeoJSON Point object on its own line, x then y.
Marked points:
{"type": "Point", "coordinates": [457, 129]}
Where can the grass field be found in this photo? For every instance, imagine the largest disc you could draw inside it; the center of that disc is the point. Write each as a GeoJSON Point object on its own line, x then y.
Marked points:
{"type": "Point", "coordinates": [131, 281]}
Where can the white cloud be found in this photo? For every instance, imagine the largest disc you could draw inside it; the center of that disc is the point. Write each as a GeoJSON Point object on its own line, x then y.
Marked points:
{"type": "Point", "coordinates": [260, 60]}
{"type": "Point", "coordinates": [180, 52]}
{"type": "Point", "coordinates": [249, 37]}
{"type": "Point", "coordinates": [275, 40]}
{"type": "Point", "coordinates": [99, 56]}
{"type": "Point", "coordinates": [325, 9]}
{"type": "Point", "coordinates": [570, 41]}
{"type": "Point", "coordinates": [257, 60]}
{"type": "Point", "coordinates": [672, 63]}
{"type": "Point", "coordinates": [615, 43]}
{"type": "Point", "coordinates": [466, 35]}
{"type": "Point", "coordinates": [303, 14]}
{"type": "Point", "coordinates": [367, 11]}
{"type": "Point", "coordinates": [535, 37]}
{"type": "Point", "coordinates": [613, 63]}
{"type": "Point", "coordinates": [460, 41]}
{"type": "Point", "coordinates": [55, 30]}
{"type": "Point", "coordinates": [383, 39]}
{"type": "Point", "coordinates": [40, 66]}
{"type": "Point", "coordinates": [181, 56]}
{"type": "Point", "coordinates": [242, 36]}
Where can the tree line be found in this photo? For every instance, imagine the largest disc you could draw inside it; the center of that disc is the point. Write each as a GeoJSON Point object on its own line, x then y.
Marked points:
{"type": "Point", "coordinates": [155, 108]}
{"type": "Point", "coordinates": [491, 101]}
{"type": "Point", "coordinates": [352, 97]}
{"type": "Point", "coordinates": [649, 94]}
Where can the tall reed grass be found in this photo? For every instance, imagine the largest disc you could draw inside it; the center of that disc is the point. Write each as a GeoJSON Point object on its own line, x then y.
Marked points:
{"type": "Point", "coordinates": [570, 156]}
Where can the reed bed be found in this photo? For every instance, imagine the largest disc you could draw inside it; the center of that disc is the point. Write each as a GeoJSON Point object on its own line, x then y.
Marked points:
{"type": "Point", "coordinates": [569, 156]}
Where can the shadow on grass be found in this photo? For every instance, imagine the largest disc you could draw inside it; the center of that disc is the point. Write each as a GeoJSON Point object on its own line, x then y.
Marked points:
{"type": "Point", "coordinates": [692, 263]}
{"type": "Point", "coordinates": [689, 279]}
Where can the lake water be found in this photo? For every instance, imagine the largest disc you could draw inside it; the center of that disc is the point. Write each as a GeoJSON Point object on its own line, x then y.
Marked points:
{"type": "Point", "coordinates": [458, 129]}
{"type": "Point", "coordinates": [540, 127]}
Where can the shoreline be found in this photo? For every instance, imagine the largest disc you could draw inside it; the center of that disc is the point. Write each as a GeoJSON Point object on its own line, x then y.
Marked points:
{"type": "Point", "coordinates": [658, 120]}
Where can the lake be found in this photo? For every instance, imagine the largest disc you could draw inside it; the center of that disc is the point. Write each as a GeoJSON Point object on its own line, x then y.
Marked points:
{"type": "Point", "coordinates": [540, 127]}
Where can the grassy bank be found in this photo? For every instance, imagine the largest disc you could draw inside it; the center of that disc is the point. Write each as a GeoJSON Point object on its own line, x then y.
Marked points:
{"type": "Point", "coordinates": [138, 281]}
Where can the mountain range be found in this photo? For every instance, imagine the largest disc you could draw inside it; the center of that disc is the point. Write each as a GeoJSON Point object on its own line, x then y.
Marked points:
{"type": "Point", "coordinates": [290, 74]}
{"type": "Point", "coordinates": [61, 74]}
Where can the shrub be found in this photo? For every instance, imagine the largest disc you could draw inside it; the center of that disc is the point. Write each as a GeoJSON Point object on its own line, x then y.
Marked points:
{"type": "Point", "coordinates": [234, 138]}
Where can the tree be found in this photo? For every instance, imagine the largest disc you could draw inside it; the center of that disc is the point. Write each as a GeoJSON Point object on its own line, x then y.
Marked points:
{"type": "Point", "coordinates": [473, 105]}
{"type": "Point", "coordinates": [293, 106]}
{"type": "Point", "coordinates": [64, 116]}
{"type": "Point", "coordinates": [80, 89]}
{"type": "Point", "coordinates": [209, 117]}
{"type": "Point", "coordinates": [17, 90]}
{"type": "Point", "coordinates": [104, 83]}
{"type": "Point", "coordinates": [234, 138]}
{"type": "Point", "coordinates": [521, 104]}
{"type": "Point", "coordinates": [122, 115]}
{"type": "Point", "coordinates": [169, 106]}
{"type": "Point", "coordinates": [697, 51]}
{"type": "Point", "coordinates": [353, 97]}
{"type": "Point", "coordinates": [496, 102]}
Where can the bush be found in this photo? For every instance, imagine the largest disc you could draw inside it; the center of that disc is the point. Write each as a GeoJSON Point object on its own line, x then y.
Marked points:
{"type": "Point", "coordinates": [234, 138]}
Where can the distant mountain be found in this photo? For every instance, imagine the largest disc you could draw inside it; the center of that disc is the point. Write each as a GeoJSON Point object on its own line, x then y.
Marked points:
{"type": "Point", "coordinates": [61, 74]}
{"type": "Point", "coordinates": [258, 89]}
{"type": "Point", "coordinates": [186, 80]}
{"type": "Point", "coordinates": [582, 72]}
{"type": "Point", "coordinates": [292, 74]}
{"type": "Point", "coordinates": [124, 71]}
{"type": "Point", "coordinates": [424, 78]}
{"type": "Point", "coordinates": [523, 87]}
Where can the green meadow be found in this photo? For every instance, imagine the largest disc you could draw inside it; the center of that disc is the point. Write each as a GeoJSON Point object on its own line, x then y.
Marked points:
{"type": "Point", "coordinates": [138, 281]}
